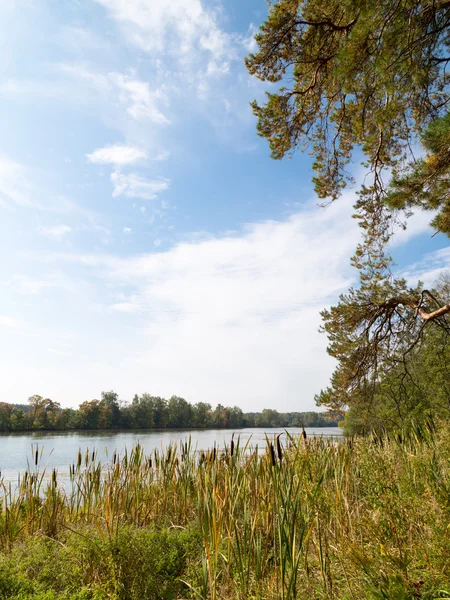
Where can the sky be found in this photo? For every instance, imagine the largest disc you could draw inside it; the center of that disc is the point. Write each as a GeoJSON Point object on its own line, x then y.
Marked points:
{"type": "Point", "coordinates": [148, 242]}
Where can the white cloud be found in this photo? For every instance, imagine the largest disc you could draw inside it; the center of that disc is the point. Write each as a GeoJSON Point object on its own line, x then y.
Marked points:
{"type": "Point", "coordinates": [135, 186]}
{"type": "Point", "coordinates": [141, 100]}
{"type": "Point", "coordinates": [233, 318]}
{"type": "Point", "coordinates": [57, 231]}
{"type": "Point", "coordinates": [65, 206]}
{"type": "Point", "coordinates": [33, 285]}
{"type": "Point", "coordinates": [14, 184]}
{"type": "Point", "coordinates": [97, 81]}
{"type": "Point", "coordinates": [429, 268]}
{"type": "Point", "coordinates": [116, 154]}
{"type": "Point", "coordinates": [417, 224]}
{"type": "Point", "coordinates": [127, 230]}
{"type": "Point", "coordinates": [249, 43]}
{"type": "Point", "coordinates": [6, 321]}
{"type": "Point", "coordinates": [179, 26]}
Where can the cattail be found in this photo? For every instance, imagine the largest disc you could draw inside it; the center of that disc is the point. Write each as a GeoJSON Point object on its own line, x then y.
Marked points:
{"type": "Point", "coordinates": [36, 458]}
{"type": "Point", "coordinates": [232, 447]}
{"type": "Point", "coordinates": [303, 433]}
{"type": "Point", "coordinates": [272, 454]}
{"type": "Point", "coordinates": [279, 449]}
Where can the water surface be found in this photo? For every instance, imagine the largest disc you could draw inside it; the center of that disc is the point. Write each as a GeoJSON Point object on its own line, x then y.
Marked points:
{"type": "Point", "coordinates": [60, 449]}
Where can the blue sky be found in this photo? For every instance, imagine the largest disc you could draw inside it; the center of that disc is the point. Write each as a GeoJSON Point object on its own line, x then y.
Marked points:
{"type": "Point", "coordinates": [148, 241]}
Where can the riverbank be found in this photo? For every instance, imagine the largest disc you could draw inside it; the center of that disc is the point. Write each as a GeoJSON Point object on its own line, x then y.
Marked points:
{"type": "Point", "coordinates": [364, 519]}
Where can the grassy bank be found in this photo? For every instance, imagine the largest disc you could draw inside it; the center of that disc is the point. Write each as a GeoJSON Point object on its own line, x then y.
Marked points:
{"type": "Point", "coordinates": [367, 519]}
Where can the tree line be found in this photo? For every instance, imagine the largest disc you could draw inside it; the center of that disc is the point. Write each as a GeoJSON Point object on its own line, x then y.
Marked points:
{"type": "Point", "coordinates": [145, 412]}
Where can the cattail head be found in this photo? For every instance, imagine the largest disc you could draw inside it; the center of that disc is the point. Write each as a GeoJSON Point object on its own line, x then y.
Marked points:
{"type": "Point", "coordinates": [272, 454]}
{"type": "Point", "coordinates": [279, 449]}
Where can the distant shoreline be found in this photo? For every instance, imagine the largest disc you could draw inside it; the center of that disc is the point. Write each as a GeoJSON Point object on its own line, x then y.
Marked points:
{"type": "Point", "coordinates": [166, 429]}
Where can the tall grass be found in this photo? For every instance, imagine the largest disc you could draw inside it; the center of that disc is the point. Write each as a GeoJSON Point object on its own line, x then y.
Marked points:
{"type": "Point", "coordinates": [363, 518]}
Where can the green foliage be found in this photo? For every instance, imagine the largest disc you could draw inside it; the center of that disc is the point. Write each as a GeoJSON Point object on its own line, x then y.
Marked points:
{"type": "Point", "coordinates": [425, 182]}
{"type": "Point", "coordinates": [133, 564]}
{"type": "Point", "coordinates": [393, 370]}
{"type": "Point", "coordinates": [352, 73]}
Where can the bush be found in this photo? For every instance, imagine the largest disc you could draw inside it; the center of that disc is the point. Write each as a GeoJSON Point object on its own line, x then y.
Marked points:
{"type": "Point", "coordinates": [132, 564]}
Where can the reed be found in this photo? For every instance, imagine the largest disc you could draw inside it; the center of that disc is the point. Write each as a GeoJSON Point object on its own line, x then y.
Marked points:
{"type": "Point", "coordinates": [302, 518]}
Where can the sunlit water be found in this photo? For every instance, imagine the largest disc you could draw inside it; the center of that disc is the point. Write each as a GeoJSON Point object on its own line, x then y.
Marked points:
{"type": "Point", "coordinates": [59, 450]}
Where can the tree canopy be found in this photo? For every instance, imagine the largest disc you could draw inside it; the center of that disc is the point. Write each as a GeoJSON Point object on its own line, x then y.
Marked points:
{"type": "Point", "coordinates": [425, 182]}
{"type": "Point", "coordinates": [349, 78]}
{"type": "Point", "coordinates": [353, 73]}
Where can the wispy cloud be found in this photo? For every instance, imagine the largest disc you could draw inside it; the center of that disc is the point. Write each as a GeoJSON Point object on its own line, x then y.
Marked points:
{"type": "Point", "coordinates": [6, 321]}
{"type": "Point", "coordinates": [90, 219]}
{"type": "Point", "coordinates": [141, 101]}
{"type": "Point", "coordinates": [116, 154]}
{"type": "Point", "coordinates": [56, 231]}
{"type": "Point", "coordinates": [417, 224]}
{"type": "Point", "coordinates": [133, 185]}
{"type": "Point", "coordinates": [429, 269]}
{"type": "Point", "coordinates": [14, 183]}
{"type": "Point", "coordinates": [180, 26]}
{"type": "Point", "coordinates": [34, 285]}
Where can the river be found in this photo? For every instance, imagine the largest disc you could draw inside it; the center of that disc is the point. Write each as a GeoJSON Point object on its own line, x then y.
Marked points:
{"type": "Point", "coordinates": [59, 449]}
